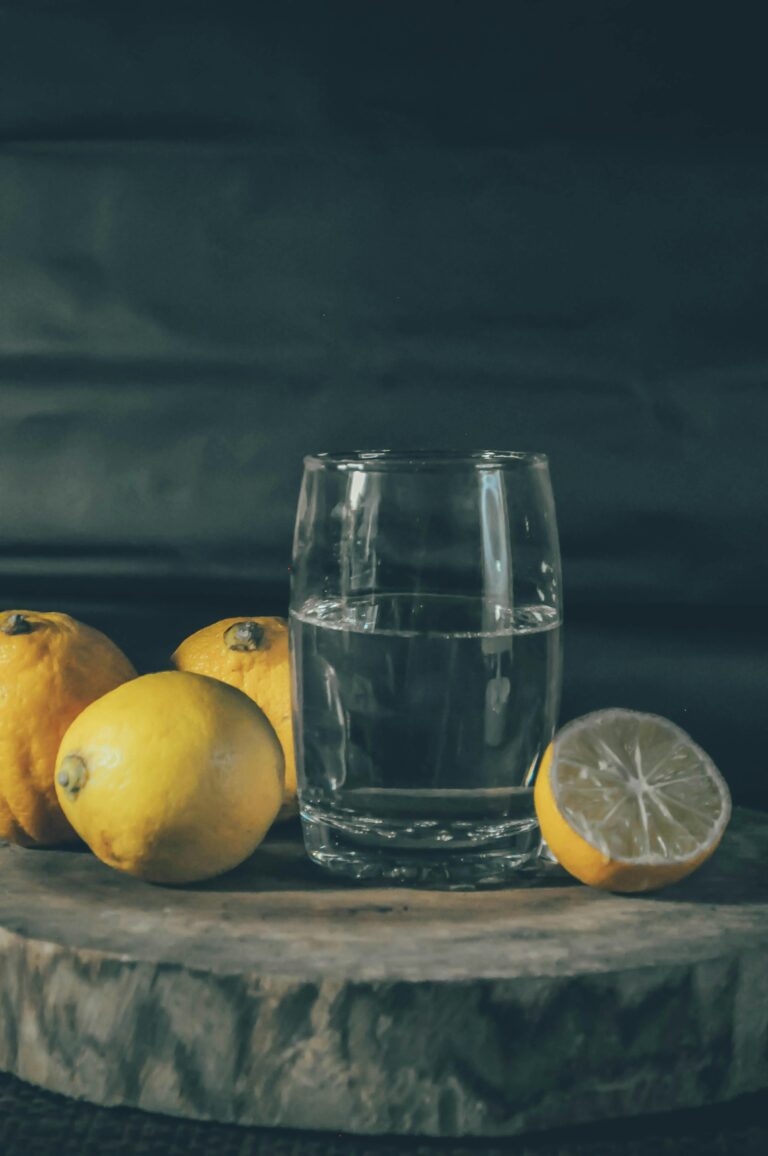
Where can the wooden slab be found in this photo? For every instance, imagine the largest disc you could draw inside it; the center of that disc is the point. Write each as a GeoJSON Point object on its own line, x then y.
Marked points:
{"type": "Point", "coordinates": [276, 996]}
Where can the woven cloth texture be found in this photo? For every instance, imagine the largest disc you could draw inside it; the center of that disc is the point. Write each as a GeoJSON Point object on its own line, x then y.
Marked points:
{"type": "Point", "coordinates": [37, 1123]}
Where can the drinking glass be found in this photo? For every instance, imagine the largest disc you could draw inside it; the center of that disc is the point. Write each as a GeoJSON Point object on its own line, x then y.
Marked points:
{"type": "Point", "coordinates": [426, 661]}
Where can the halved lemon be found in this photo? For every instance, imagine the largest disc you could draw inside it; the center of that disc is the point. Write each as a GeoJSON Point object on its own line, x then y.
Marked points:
{"type": "Point", "coordinates": [627, 801]}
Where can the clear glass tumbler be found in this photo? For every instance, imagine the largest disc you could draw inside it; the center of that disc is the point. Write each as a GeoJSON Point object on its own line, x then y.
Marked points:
{"type": "Point", "coordinates": [425, 644]}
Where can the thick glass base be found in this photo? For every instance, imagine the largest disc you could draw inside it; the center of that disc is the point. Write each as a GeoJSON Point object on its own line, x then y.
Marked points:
{"type": "Point", "coordinates": [464, 858]}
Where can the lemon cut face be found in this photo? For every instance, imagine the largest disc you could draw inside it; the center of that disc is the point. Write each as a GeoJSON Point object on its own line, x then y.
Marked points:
{"type": "Point", "coordinates": [629, 802]}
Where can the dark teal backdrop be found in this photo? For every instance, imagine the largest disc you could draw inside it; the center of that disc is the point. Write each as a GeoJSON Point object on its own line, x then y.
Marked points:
{"type": "Point", "coordinates": [231, 234]}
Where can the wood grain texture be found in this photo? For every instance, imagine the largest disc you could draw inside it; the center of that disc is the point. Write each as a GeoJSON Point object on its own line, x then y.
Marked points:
{"type": "Point", "coordinates": [275, 996]}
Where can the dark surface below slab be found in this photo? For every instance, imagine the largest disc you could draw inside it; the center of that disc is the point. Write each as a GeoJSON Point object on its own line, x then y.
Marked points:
{"type": "Point", "coordinates": [37, 1123]}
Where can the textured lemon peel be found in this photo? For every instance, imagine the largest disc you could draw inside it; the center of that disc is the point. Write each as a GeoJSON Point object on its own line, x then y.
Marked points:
{"type": "Point", "coordinates": [262, 671]}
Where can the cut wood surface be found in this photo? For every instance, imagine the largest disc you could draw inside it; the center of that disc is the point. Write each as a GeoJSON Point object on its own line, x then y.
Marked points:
{"type": "Point", "coordinates": [276, 996]}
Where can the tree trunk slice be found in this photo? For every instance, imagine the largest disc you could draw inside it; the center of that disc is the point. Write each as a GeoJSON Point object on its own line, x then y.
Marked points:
{"type": "Point", "coordinates": [275, 996]}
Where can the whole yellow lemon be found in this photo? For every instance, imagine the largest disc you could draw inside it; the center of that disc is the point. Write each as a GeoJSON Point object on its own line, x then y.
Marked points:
{"type": "Point", "coordinates": [173, 777]}
{"type": "Point", "coordinates": [51, 668]}
{"type": "Point", "coordinates": [251, 654]}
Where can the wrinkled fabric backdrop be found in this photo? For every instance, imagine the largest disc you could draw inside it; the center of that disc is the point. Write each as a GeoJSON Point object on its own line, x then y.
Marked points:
{"type": "Point", "coordinates": [233, 234]}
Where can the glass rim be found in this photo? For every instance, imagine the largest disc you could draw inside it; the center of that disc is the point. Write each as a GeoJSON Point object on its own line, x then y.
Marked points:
{"type": "Point", "coordinates": [416, 459]}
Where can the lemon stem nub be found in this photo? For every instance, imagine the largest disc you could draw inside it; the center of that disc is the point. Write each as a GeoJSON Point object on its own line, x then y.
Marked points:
{"type": "Point", "coordinates": [16, 624]}
{"type": "Point", "coordinates": [244, 636]}
{"type": "Point", "coordinates": [72, 775]}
